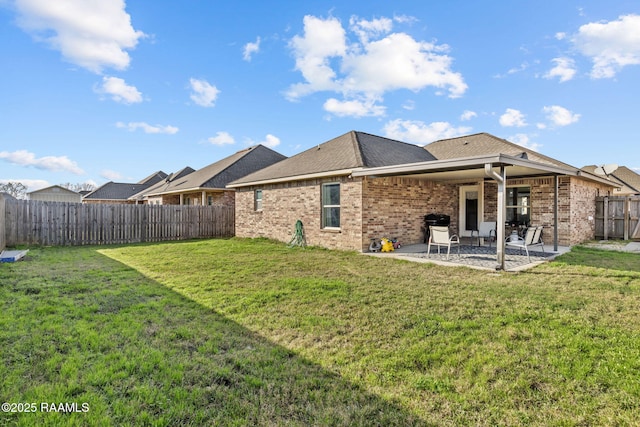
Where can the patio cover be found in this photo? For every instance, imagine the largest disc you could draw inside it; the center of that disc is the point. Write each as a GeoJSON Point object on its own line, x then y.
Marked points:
{"type": "Point", "coordinates": [498, 167]}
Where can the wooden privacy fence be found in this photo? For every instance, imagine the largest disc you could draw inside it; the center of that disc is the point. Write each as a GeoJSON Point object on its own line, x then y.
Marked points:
{"type": "Point", "coordinates": [2, 227]}
{"type": "Point", "coordinates": [29, 222]}
{"type": "Point", "coordinates": [618, 217]}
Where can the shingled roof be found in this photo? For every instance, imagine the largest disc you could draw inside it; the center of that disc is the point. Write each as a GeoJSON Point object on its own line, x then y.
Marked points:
{"type": "Point", "coordinates": [349, 151]}
{"type": "Point", "coordinates": [217, 175]}
{"type": "Point", "coordinates": [123, 190]}
{"type": "Point", "coordinates": [623, 175]}
{"type": "Point", "coordinates": [481, 144]}
{"type": "Point", "coordinates": [115, 191]}
{"type": "Point", "coordinates": [163, 184]}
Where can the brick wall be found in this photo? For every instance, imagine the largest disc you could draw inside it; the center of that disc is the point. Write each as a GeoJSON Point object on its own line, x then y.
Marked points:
{"type": "Point", "coordinates": [583, 209]}
{"type": "Point", "coordinates": [395, 207]}
{"type": "Point", "coordinates": [283, 204]}
{"type": "Point", "coordinates": [576, 203]}
{"type": "Point", "coordinates": [381, 207]}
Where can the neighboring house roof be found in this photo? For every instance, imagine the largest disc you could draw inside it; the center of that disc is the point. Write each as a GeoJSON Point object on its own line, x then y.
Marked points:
{"type": "Point", "coordinates": [56, 188]}
{"type": "Point", "coordinates": [338, 156]}
{"type": "Point", "coordinates": [217, 175]}
{"type": "Point", "coordinates": [163, 184]}
{"type": "Point", "coordinates": [482, 144]}
{"type": "Point", "coordinates": [153, 178]}
{"type": "Point", "coordinates": [115, 191]}
{"type": "Point", "coordinates": [629, 180]}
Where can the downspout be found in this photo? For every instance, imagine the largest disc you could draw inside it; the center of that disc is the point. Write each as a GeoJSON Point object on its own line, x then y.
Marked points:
{"type": "Point", "coordinates": [501, 179]}
{"type": "Point", "coordinates": [555, 212]}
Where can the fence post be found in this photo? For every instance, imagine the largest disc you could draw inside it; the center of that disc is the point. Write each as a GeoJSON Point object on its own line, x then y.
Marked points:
{"type": "Point", "coordinates": [3, 227]}
{"type": "Point", "coordinates": [606, 217]}
{"type": "Point", "coordinates": [627, 200]}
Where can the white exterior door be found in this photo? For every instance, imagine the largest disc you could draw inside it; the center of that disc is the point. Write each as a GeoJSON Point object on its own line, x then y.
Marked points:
{"type": "Point", "coordinates": [471, 209]}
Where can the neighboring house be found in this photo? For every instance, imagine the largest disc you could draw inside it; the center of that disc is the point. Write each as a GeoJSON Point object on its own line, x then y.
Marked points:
{"type": "Point", "coordinates": [142, 197]}
{"type": "Point", "coordinates": [359, 186]}
{"type": "Point", "coordinates": [207, 186]}
{"type": "Point", "coordinates": [120, 192]}
{"type": "Point", "coordinates": [628, 180]}
{"type": "Point", "coordinates": [55, 193]}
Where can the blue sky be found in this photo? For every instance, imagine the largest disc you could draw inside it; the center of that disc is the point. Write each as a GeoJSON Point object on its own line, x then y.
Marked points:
{"type": "Point", "coordinates": [108, 90]}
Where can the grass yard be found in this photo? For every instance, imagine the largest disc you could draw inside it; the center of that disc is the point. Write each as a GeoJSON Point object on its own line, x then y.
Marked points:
{"type": "Point", "coordinates": [249, 332]}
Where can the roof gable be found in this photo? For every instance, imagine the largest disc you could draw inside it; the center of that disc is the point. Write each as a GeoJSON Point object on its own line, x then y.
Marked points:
{"type": "Point", "coordinates": [349, 151]}
{"type": "Point", "coordinates": [54, 188]}
{"type": "Point", "coordinates": [219, 174]}
{"type": "Point", "coordinates": [481, 144]}
{"type": "Point", "coordinates": [629, 177]}
{"type": "Point", "coordinates": [153, 178]}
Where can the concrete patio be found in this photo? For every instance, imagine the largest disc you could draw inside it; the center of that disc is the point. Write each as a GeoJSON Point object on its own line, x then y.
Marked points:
{"type": "Point", "coordinates": [474, 256]}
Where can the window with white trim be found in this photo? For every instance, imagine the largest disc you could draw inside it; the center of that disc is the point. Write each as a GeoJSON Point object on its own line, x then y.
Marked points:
{"type": "Point", "coordinates": [257, 200]}
{"type": "Point", "coordinates": [518, 205]}
{"type": "Point", "coordinates": [331, 205]}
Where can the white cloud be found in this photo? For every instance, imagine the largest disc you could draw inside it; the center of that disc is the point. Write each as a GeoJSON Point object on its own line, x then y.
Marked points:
{"type": "Point", "coordinates": [251, 48]}
{"type": "Point", "coordinates": [560, 36]}
{"type": "Point", "coordinates": [418, 132]}
{"type": "Point", "coordinates": [204, 94]}
{"type": "Point", "coordinates": [354, 108]}
{"type": "Point", "coordinates": [147, 128]}
{"type": "Point", "coordinates": [91, 34]}
{"type": "Point", "coordinates": [468, 115]}
{"type": "Point", "coordinates": [409, 105]}
{"type": "Point", "coordinates": [119, 90]}
{"type": "Point", "coordinates": [560, 116]}
{"type": "Point", "coordinates": [330, 61]}
{"type": "Point", "coordinates": [50, 163]}
{"type": "Point", "coordinates": [524, 141]}
{"type": "Point", "coordinates": [565, 69]}
{"type": "Point", "coordinates": [111, 175]}
{"type": "Point", "coordinates": [512, 117]}
{"type": "Point", "coordinates": [322, 40]}
{"type": "Point", "coordinates": [366, 29]}
{"type": "Point", "coordinates": [269, 141]}
{"type": "Point", "coordinates": [610, 45]}
{"type": "Point", "coordinates": [222, 138]}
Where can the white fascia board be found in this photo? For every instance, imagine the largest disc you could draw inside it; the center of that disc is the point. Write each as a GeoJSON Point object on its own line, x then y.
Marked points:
{"type": "Point", "coordinates": [328, 174]}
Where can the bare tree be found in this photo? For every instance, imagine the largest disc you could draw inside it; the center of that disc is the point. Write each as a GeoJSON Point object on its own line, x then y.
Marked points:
{"type": "Point", "coordinates": [16, 189]}
{"type": "Point", "coordinates": [83, 186]}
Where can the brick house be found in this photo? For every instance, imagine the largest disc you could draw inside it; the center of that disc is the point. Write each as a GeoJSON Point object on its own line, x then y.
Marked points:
{"type": "Point", "coordinates": [360, 186]}
{"type": "Point", "coordinates": [207, 186]}
{"type": "Point", "coordinates": [122, 192]}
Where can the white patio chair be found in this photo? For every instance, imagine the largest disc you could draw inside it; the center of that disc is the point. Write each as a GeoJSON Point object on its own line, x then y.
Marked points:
{"type": "Point", "coordinates": [487, 230]}
{"type": "Point", "coordinates": [533, 237]}
{"type": "Point", "coordinates": [439, 236]}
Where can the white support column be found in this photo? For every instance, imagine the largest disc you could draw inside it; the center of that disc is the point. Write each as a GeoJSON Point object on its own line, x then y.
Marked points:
{"type": "Point", "coordinates": [204, 198]}
{"type": "Point", "coordinates": [501, 179]}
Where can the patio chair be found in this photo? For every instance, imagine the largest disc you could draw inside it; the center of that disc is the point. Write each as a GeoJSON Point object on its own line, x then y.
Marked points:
{"type": "Point", "coordinates": [487, 230]}
{"type": "Point", "coordinates": [439, 236]}
{"type": "Point", "coordinates": [533, 237]}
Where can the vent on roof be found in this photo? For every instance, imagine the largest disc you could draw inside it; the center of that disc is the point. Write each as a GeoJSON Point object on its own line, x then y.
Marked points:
{"type": "Point", "coordinates": [524, 155]}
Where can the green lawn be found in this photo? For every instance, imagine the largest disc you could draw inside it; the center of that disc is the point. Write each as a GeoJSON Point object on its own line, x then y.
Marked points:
{"type": "Point", "coordinates": [250, 332]}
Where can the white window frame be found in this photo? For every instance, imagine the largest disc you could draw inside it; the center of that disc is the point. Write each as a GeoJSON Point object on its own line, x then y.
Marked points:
{"type": "Point", "coordinates": [324, 206]}
{"type": "Point", "coordinates": [524, 208]}
{"type": "Point", "coordinates": [257, 201]}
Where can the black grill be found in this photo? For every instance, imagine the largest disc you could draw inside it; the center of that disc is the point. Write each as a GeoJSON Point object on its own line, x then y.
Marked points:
{"type": "Point", "coordinates": [434, 219]}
